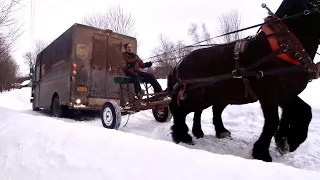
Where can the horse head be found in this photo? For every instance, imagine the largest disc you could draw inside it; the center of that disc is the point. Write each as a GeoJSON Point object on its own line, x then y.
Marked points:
{"type": "Point", "coordinates": [305, 14]}
{"type": "Point", "coordinates": [301, 18]}
{"type": "Point", "coordinates": [296, 6]}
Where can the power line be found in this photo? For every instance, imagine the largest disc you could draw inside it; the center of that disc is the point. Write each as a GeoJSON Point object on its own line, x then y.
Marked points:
{"type": "Point", "coordinates": [31, 15]}
{"type": "Point", "coordinates": [32, 9]}
{"type": "Point", "coordinates": [232, 32]}
{"type": "Point", "coordinates": [192, 45]}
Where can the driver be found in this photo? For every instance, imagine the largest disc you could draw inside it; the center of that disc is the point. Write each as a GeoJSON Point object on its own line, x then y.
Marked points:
{"type": "Point", "coordinates": [131, 64]}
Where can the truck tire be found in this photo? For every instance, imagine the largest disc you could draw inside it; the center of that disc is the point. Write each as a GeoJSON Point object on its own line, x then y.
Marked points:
{"type": "Point", "coordinates": [56, 108]}
{"type": "Point", "coordinates": [162, 114]}
{"type": "Point", "coordinates": [111, 115]}
{"type": "Point", "coordinates": [59, 110]}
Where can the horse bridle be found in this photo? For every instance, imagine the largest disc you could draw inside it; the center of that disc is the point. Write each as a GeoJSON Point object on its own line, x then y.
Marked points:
{"type": "Point", "coordinates": [315, 6]}
{"type": "Point", "coordinates": [315, 9]}
{"type": "Point", "coordinates": [302, 55]}
{"type": "Point", "coordinates": [313, 3]}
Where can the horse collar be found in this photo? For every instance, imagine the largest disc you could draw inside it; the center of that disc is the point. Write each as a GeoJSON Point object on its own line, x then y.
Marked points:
{"type": "Point", "coordinates": [275, 42]}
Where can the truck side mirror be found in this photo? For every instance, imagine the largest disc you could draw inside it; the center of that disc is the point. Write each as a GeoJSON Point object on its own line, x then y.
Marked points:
{"type": "Point", "coordinates": [31, 73]}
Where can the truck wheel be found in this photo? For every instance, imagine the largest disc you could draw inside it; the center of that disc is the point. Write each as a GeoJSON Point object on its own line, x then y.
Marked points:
{"type": "Point", "coordinates": [111, 115]}
{"type": "Point", "coordinates": [59, 110]}
{"type": "Point", "coordinates": [56, 108]}
{"type": "Point", "coordinates": [162, 114]}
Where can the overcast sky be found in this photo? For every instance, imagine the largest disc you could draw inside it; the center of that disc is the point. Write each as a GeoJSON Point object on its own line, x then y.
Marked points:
{"type": "Point", "coordinates": [170, 17]}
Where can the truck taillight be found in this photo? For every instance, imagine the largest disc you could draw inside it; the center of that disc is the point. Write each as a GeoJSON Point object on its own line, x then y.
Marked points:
{"type": "Point", "coordinates": [74, 72]}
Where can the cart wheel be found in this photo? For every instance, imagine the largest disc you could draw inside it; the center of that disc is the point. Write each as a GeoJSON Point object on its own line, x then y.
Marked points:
{"type": "Point", "coordinates": [111, 115]}
{"type": "Point", "coordinates": [162, 114]}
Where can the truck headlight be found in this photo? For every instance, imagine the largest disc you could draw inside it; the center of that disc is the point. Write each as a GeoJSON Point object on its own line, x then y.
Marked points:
{"type": "Point", "coordinates": [78, 101]}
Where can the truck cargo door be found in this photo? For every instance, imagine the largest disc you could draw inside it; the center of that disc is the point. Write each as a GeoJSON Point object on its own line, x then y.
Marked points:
{"type": "Point", "coordinates": [98, 67]}
{"type": "Point", "coordinates": [113, 66]}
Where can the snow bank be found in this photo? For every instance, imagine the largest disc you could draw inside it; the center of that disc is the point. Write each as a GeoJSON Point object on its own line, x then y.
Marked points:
{"type": "Point", "coordinates": [25, 82]}
{"type": "Point", "coordinates": [44, 148]}
{"type": "Point", "coordinates": [17, 99]}
{"type": "Point", "coordinates": [311, 94]}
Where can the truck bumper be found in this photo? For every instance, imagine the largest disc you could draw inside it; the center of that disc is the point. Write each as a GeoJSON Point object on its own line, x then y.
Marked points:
{"type": "Point", "coordinates": [92, 104]}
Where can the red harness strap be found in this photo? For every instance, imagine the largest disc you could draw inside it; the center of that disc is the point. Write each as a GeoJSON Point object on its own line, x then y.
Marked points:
{"type": "Point", "coordinates": [180, 95]}
{"type": "Point", "coordinates": [181, 91]}
{"type": "Point", "coordinates": [274, 44]}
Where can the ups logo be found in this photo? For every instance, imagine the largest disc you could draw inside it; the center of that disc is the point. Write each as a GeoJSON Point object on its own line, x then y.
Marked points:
{"type": "Point", "coordinates": [82, 51]}
{"type": "Point", "coordinates": [43, 70]}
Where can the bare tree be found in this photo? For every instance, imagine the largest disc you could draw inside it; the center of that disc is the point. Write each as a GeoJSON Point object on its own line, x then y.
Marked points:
{"type": "Point", "coordinates": [229, 22]}
{"type": "Point", "coordinates": [193, 32]}
{"type": "Point", "coordinates": [8, 68]}
{"type": "Point", "coordinates": [31, 56]}
{"type": "Point", "coordinates": [10, 27]}
{"type": "Point", "coordinates": [96, 19]}
{"type": "Point", "coordinates": [206, 34]}
{"type": "Point", "coordinates": [114, 18]}
{"type": "Point", "coordinates": [197, 36]}
{"type": "Point", "coordinates": [200, 37]}
{"type": "Point", "coordinates": [10, 31]}
{"type": "Point", "coordinates": [164, 58]}
{"type": "Point", "coordinates": [167, 55]}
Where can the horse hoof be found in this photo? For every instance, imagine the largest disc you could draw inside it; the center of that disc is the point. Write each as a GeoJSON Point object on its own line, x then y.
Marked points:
{"type": "Point", "coordinates": [262, 157]}
{"type": "Point", "coordinates": [260, 154]}
{"type": "Point", "coordinates": [282, 145]}
{"type": "Point", "coordinates": [198, 134]}
{"type": "Point", "coordinates": [224, 135]}
{"type": "Point", "coordinates": [293, 147]}
{"type": "Point", "coordinates": [190, 143]}
{"type": "Point", "coordinates": [186, 138]}
{"type": "Point", "coordinates": [175, 139]}
{"type": "Point", "coordinates": [293, 143]}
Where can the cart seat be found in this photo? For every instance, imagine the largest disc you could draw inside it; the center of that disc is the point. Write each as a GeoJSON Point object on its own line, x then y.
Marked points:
{"type": "Point", "coordinates": [124, 79]}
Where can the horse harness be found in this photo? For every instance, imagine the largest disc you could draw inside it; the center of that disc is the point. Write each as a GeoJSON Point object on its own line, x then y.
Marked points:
{"type": "Point", "coordinates": [290, 51]}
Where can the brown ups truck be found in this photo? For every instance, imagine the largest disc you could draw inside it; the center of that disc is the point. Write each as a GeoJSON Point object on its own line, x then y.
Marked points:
{"type": "Point", "coordinates": [76, 71]}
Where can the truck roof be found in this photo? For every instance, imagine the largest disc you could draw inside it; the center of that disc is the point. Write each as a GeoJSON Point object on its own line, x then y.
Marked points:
{"type": "Point", "coordinates": [90, 27]}
{"type": "Point", "coordinates": [106, 30]}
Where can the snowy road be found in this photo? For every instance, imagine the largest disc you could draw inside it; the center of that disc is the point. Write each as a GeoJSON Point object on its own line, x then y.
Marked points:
{"type": "Point", "coordinates": [245, 123]}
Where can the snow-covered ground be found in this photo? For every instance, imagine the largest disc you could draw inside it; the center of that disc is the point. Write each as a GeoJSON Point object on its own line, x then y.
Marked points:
{"type": "Point", "coordinates": [34, 146]}
{"type": "Point", "coordinates": [26, 82]}
{"type": "Point", "coordinates": [42, 148]}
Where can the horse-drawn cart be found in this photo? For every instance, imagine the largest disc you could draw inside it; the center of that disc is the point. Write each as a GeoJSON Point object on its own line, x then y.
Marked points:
{"type": "Point", "coordinates": [128, 103]}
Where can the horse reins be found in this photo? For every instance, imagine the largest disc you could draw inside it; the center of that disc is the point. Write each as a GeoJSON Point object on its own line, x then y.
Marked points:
{"type": "Point", "coordinates": [316, 8]}
{"type": "Point", "coordinates": [274, 19]}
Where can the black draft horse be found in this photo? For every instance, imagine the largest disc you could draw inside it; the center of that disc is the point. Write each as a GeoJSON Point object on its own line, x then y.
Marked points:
{"type": "Point", "coordinates": [273, 67]}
